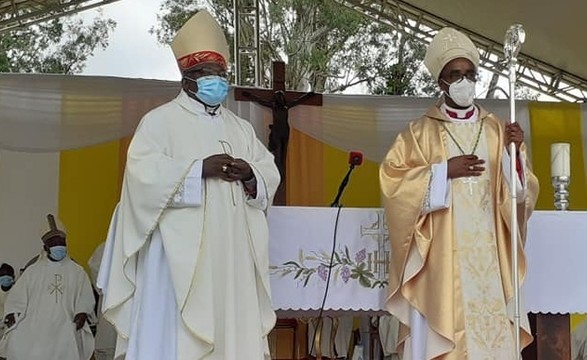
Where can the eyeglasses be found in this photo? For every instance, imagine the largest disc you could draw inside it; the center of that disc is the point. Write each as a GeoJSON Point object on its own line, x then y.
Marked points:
{"type": "Point", "coordinates": [205, 71]}
{"type": "Point", "coordinates": [456, 75]}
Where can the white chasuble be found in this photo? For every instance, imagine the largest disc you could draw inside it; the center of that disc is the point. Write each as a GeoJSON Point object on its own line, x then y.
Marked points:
{"type": "Point", "coordinates": [45, 301]}
{"type": "Point", "coordinates": [191, 280]}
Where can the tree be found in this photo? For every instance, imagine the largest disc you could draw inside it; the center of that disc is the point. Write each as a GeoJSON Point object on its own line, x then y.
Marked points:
{"type": "Point", "coordinates": [327, 47]}
{"type": "Point", "coordinates": [404, 76]}
{"type": "Point", "coordinates": [61, 45]}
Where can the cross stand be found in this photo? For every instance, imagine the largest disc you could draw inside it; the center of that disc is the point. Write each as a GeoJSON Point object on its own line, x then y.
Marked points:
{"type": "Point", "coordinates": [279, 101]}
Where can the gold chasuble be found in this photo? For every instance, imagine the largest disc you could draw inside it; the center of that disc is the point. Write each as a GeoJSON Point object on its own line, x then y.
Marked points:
{"type": "Point", "coordinates": [453, 265]}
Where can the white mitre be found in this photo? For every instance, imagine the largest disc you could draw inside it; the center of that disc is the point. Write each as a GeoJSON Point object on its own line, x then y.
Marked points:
{"type": "Point", "coordinates": [447, 45]}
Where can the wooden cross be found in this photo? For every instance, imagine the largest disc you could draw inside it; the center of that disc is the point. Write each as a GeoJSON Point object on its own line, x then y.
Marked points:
{"type": "Point", "coordinates": [279, 101]}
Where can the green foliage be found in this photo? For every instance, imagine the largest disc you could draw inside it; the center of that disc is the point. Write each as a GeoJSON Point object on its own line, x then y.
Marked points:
{"type": "Point", "coordinates": [62, 45]}
{"type": "Point", "coordinates": [405, 75]}
{"type": "Point", "coordinates": [327, 47]}
{"type": "Point", "coordinates": [177, 12]}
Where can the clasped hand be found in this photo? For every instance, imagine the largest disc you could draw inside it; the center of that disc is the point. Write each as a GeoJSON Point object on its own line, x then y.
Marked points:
{"type": "Point", "coordinates": [227, 168]}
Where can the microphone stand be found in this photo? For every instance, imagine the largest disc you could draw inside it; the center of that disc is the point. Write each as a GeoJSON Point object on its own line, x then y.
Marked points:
{"type": "Point", "coordinates": [342, 186]}
{"type": "Point", "coordinates": [317, 335]}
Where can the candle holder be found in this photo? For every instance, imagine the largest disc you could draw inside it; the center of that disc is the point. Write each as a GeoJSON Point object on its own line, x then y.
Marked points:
{"type": "Point", "coordinates": [561, 192]}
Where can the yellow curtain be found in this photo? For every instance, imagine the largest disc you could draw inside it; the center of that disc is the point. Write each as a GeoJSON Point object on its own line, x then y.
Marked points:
{"type": "Point", "coordinates": [305, 164]}
{"type": "Point", "coordinates": [88, 191]}
{"type": "Point", "coordinates": [315, 170]}
{"type": "Point", "coordinates": [551, 123]}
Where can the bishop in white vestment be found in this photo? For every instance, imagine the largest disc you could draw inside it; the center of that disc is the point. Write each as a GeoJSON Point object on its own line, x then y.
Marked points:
{"type": "Point", "coordinates": [48, 309]}
{"type": "Point", "coordinates": [185, 272]}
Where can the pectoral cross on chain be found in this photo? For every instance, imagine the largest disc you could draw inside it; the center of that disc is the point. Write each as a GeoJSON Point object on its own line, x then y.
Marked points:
{"type": "Point", "coordinates": [56, 287]}
{"type": "Point", "coordinates": [470, 181]}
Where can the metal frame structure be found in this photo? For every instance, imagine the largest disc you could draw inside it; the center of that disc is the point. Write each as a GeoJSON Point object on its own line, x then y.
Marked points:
{"type": "Point", "coordinates": [247, 43]}
{"type": "Point", "coordinates": [531, 73]}
{"type": "Point", "coordinates": [15, 14]}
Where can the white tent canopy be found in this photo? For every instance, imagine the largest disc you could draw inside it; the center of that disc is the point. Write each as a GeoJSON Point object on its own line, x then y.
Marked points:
{"type": "Point", "coordinates": [555, 29]}
{"type": "Point", "coordinates": [22, 13]}
{"type": "Point", "coordinates": [554, 49]}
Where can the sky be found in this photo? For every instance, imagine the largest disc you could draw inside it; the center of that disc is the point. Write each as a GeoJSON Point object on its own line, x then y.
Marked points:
{"type": "Point", "coordinates": [135, 53]}
{"type": "Point", "coordinates": [132, 50]}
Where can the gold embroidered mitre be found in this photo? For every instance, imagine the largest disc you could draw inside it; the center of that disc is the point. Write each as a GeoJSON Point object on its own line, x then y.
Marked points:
{"type": "Point", "coordinates": [200, 40]}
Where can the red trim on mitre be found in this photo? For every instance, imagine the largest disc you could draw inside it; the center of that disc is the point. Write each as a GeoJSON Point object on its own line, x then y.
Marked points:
{"type": "Point", "coordinates": [189, 61]}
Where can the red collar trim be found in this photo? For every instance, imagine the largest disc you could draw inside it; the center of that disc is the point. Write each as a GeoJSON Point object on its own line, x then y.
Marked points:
{"type": "Point", "coordinates": [454, 115]}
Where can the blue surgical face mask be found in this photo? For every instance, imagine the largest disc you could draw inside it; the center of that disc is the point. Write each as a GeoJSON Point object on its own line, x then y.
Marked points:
{"type": "Point", "coordinates": [6, 281]}
{"type": "Point", "coordinates": [58, 252]}
{"type": "Point", "coordinates": [212, 89]}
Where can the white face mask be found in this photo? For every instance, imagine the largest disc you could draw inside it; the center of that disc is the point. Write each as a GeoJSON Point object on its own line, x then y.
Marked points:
{"type": "Point", "coordinates": [462, 92]}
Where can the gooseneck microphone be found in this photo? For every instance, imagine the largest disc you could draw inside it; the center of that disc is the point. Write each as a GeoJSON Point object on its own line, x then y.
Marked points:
{"type": "Point", "coordinates": [355, 159]}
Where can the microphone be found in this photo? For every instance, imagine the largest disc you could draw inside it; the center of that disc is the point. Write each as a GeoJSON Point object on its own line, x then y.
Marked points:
{"type": "Point", "coordinates": [355, 159]}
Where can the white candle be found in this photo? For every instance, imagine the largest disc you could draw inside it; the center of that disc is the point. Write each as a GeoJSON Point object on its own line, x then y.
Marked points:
{"type": "Point", "coordinates": [560, 159]}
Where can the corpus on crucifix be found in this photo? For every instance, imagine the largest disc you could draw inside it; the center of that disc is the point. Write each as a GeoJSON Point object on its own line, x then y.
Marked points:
{"type": "Point", "coordinates": [280, 102]}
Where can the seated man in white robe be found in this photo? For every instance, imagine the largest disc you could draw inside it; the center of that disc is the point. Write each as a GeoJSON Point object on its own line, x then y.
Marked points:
{"type": "Point", "coordinates": [48, 307]}
{"type": "Point", "coordinates": [6, 282]}
{"type": "Point", "coordinates": [185, 271]}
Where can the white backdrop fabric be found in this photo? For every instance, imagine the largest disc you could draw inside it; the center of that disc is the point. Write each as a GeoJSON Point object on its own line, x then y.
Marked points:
{"type": "Point", "coordinates": [48, 113]}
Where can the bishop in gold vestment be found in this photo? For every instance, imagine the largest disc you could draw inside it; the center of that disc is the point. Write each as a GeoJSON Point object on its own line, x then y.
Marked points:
{"type": "Point", "coordinates": [446, 192]}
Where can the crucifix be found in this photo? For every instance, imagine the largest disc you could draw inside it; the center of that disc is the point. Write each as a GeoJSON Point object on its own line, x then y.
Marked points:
{"type": "Point", "coordinates": [470, 181]}
{"type": "Point", "coordinates": [279, 101]}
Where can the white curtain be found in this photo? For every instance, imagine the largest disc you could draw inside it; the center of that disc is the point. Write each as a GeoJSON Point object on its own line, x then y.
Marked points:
{"type": "Point", "coordinates": [47, 113]}
{"type": "Point", "coordinates": [371, 123]}
{"type": "Point", "coordinates": [29, 190]}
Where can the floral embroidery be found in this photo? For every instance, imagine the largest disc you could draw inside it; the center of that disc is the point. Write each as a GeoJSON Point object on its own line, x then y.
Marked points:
{"type": "Point", "coordinates": [344, 267]}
